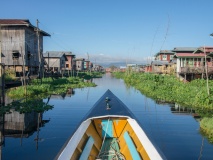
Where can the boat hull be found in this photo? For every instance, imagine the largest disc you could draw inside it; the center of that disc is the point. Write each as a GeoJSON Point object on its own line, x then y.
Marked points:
{"type": "Point", "coordinates": [90, 139]}
{"type": "Point", "coordinates": [109, 131]}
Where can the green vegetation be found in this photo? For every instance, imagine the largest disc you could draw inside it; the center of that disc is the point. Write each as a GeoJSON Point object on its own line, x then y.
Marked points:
{"type": "Point", "coordinates": [170, 89]}
{"type": "Point", "coordinates": [89, 75]}
{"type": "Point", "coordinates": [10, 75]}
{"type": "Point", "coordinates": [26, 106]}
{"type": "Point", "coordinates": [206, 126]}
{"type": "Point", "coordinates": [29, 98]}
{"type": "Point", "coordinates": [113, 67]}
{"type": "Point", "coordinates": [48, 87]}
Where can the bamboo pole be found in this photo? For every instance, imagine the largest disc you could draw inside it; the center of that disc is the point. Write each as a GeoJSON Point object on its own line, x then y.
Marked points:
{"type": "Point", "coordinates": [1, 84]}
{"type": "Point", "coordinates": [206, 68]}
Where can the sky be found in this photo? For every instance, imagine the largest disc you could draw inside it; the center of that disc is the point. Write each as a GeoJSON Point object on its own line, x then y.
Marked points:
{"type": "Point", "coordinates": [117, 30]}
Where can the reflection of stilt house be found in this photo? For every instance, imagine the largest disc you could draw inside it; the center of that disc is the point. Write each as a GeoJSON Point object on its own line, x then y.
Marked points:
{"type": "Point", "coordinates": [16, 124]}
{"type": "Point", "coordinates": [181, 110]}
{"type": "Point", "coordinates": [21, 125]}
{"type": "Point", "coordinates": [70, 92]}
{"type": "Point", "coordinates": [20, 41]}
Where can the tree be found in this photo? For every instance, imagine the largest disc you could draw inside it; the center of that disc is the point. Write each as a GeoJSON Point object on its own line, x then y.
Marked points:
{"type": "Point", "coordinates": [113, 68]}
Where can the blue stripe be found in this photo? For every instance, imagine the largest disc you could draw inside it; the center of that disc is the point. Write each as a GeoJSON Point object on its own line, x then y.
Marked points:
{"type": "Point", "coordinates": [87, 149]}
{"type": "Point", "coordinates": [107, 128]}
{"type": "Point", "coordinates": [131, 146]}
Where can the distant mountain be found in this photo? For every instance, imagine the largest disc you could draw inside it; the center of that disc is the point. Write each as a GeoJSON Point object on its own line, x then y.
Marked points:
{"type": "Point", "coordinates": [119, 64]}
{"type": "Point", "coordinates": [107, 61]}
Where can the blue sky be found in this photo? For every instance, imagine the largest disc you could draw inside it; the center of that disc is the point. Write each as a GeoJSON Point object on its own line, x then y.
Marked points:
{"type": "Point", "coordinates": [117, 29]}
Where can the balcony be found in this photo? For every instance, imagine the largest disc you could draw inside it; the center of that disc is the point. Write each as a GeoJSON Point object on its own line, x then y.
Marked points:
{"type": "Point", "coordinates": [195, 70]}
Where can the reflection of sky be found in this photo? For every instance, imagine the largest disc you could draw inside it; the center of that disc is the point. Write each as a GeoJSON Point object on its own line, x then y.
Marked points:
{"type": "Point", "coordinates": [176, 135]}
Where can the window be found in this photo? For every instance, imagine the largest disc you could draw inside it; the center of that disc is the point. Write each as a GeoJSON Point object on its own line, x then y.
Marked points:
{"type": "Point", "coordinates": [164, 57]}
{"type": "Point", "coordinates": [15, 55]}
{"type": "Point", "coordinates": [67, 65]}
{"type": "Point", "coordinates": [190, 62]}
{"type": "Point", "coordinates": [56, 69]}
{"type": "Point", "coordinates": [158, 58]}
{"type": "Point", "coordinates": [2, 55]}
{"type": "Point", "coordinates": [28, 55]}
{"type": "Point", "coordinates": [171, 57]}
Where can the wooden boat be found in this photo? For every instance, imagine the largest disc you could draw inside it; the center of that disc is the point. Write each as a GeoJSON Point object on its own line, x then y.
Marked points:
{"type": "Point", "coordinates": [109, 131]}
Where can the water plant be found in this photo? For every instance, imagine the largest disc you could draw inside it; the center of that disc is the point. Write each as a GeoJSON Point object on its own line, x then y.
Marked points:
{"type": "Point", "coordinates": [206, 125]}
{"type": "Point", "coordinates": [170, 89]}
{"type": "Point", "coordinates": [26, 106]}
{"type": "Point", "coordinates": [48, 87]}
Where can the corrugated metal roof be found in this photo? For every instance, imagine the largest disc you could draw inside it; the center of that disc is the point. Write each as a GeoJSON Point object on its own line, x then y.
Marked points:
{"type": "Point", "coordinates": [182, 49]}
{"type": "Point", "coordinates": [54, 54]}
{"type": "Point", "coordinates": [20, 22]}
{"type": "Point", "coordinates": [79, 59]}
{"type": "Point", "coordinates": [68, 53]}
{"type": "Point", "coordinates": [165, 52]}
{"type": "Point", "coordinates": [14, 21]}
{"type": "Point", "coordinates": [189, 55]}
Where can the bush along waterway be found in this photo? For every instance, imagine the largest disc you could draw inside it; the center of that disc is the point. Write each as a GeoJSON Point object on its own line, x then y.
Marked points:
{"type": "Point", "coordinates": [168, 88]}
{"type": "Point", "coordinates": [28, 98]}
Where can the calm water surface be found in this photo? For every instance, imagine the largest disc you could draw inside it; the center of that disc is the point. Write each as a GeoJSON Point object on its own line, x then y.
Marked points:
{"type": "Point", "coordinates": [177, 135]}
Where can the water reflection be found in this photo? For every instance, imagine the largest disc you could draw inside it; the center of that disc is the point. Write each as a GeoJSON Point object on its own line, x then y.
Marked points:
{"type": "Point", "coordinates": [2, 138]}
{"type": "Point", "coordinates": [175, 133]}
{"type": "Point", "coordinates": [70, 92]}
{"type": "Point", "coordinates": [23, 125]}
{"type": "Point", "coordinates": [20, 125]}
{"type": "Point", "coordinates": [182, 110]}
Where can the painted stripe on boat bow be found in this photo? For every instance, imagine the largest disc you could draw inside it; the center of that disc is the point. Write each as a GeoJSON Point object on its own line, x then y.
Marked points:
{"type": "Point", "coordinates": [87, 149]}
{"type": "Point", "coordinates": [131, 146]}
{"type": "Point", "coordinates": [148, 146]}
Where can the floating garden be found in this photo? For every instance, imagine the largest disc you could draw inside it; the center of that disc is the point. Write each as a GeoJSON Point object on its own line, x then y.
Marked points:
{"type": "Point", "coordinates": [29, 97]}
{"type": "Point", "coordinates": [170, 89]}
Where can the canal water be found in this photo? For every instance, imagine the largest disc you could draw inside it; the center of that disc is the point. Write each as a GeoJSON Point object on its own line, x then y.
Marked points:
{"type": "Point", "coordinates": [176, 134]}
